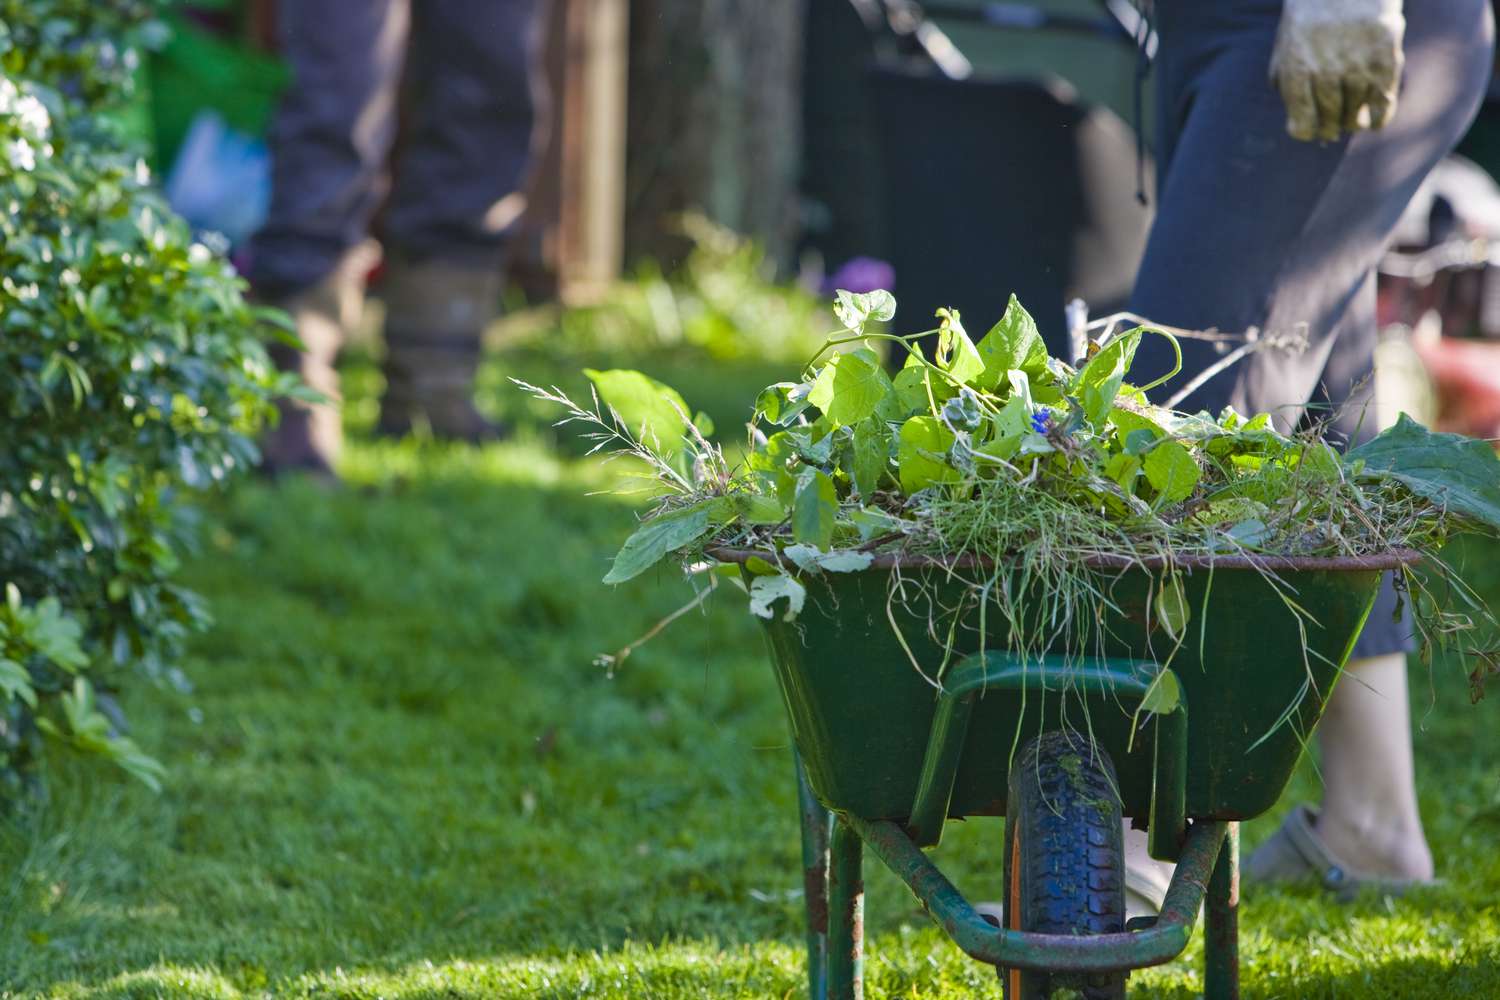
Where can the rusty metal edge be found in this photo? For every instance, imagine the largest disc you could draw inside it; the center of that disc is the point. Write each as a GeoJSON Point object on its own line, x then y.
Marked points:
{"type": "Point", "coordinates": [1394, 559]}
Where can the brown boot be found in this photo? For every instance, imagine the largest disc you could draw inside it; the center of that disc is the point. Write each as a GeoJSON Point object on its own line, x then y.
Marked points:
{"type": "Point", "coordinates": [309, 435]}
{"type": "Point", "coordinates": [435, 316]}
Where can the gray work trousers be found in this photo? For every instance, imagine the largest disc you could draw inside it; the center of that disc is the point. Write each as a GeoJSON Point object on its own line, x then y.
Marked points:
{"type": "Point", "coordinates": [1254, 228]}
{"type": "Point", "coordinates": [465, 142]}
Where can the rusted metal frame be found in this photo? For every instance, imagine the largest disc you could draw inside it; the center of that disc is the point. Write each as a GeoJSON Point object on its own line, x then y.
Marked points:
{"type": "Point", "coordinates": [1221, 929]}
{"type": "Point", "coordinates": [846, 914]}
{"type": "Point", "coordinates": [817, 826]}
{"type": "Point", "coordinates": [992, 671]}
{"type": "Point", "coordinates": [1052, 952]}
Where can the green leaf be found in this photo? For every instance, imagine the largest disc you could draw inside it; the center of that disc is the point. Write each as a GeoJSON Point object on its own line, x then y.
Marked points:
{"type": "Point", "coordinates": [753, 508]}
{"type": "Point", "coordinates": [661, 535]}
{"type": "Point", "coordinates": [811, 559]}
{"type": "Point", "coordinates": [1172, 472]}
{"type": "Point", "coordinates": [769, 461]}
{"type": "Point", "coordinates": [957, 354]}
{"type": "Point", "coordinates": [913, 383]}
{"type": "Point", "coordinates": [647, 408]}
{"type": "Point", "coordinates": [1459, 474]}
{"type": "Point", "coordinates": [1128, 422]}
{"type": "Point", "coordinates": [1164, 694]}
{"type": "Point", "coordinates": [850, 387]}
{"type": "Point", "coordinates": [1123, 468]}
{"type": "Point", "coordinates": [855, 309]}
{"type": "Point", "coordinates": [781, 403]}
{"type": "Point", "coordinates": [1014, 342]}
{"type": "Point", "coordinates": [872, 455]}
{"type": "Point", "coordinates": [920, 452]}
{"type": "Point", "coordinates": [1098, 382]}
{"type": "Point", "coordinates": [1171, 605]}
{"type": "Point", "coordinates": [767, 590]}
{"type": "Point", "coordinates": [16, 682]}
{"type": "Point", "coordinates": [53, 634]}
{"type": "Point", "coordinates": [814, 509]}
{"type": "Point", "coordinates": [870, 522]}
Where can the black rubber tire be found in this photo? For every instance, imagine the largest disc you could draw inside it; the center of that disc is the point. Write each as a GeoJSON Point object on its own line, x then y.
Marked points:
{"type": "Point", "coordinates": [1067, 873]}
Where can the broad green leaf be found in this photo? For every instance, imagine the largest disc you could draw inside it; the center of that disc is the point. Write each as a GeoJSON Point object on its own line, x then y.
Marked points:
{"type": "Point", "coordinates": [872, 455]}
{"type": "Point", "coordinates": [956, 352]}
{"type": "Point", "coordinates": [53, 633]}
{"type": "Point", "coordinates": [912, 385]}
{"type": "Point", "coordinates": [1098, 382]}
{"type": "Point", "coordinates": [753, 508]}
{"type": "Point", "coordinates": [855, 309]}
{"type": "Point", "coordinates": [962, 413]}
{"type": "Point", "coordinates": [870, 522]}
{"type": "Point", "coordinates": [1011, 425]}
{"type": "Point", "coordinates": [810, 558]}
{"type": "Point", "coordinates": [781, 403]}
{"type": "Point", "coordinates": [765, 591]}
{"type": "Point", "coordinates": [1459, 474]}
{"type": "Point", "coordinates": [1123, 469]}
{"type": "Point", "coordinates": [770, 460]}
{"type": "Point", "coordinates": [661, 535]}
{"type": "Point", "coordinates": [1140, 441]}
{"type": "Point", "coordinates": [920, 452]}
{"type": "Point", "coordinates": [1014, 342]}
{"type": "Point", "coordinates": [814, 509]}
{"type": "Point", "coordinates": [850, 386]}
{"type": "Point", "coordinates": [646, 407]}
{"type": "Point", "coordinates": [1128, 421]}
{"type": "Point", "coordinates": [813, 444]}
{"type": "Point", "coordinates": [1171, 606]}
{"type": "Point", "coordinates": [1171, 470]}
{"type": "Point", "coordinates": [16, 682]}
{"type": "Point", "coordinates": [1250, 532]}
{"type": "Point", "coordinates": [846, 561]}
{"type": "Point", "coordinates": [1164, 694]}
{"type": "Point", "coordinates": [1320, 461]}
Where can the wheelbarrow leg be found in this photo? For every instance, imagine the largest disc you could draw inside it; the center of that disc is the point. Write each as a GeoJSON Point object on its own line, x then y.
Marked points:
{"type": "Point", "coordinates": [1221, 942]}
{"type": "Point", "coordinates": [846, 914]}
{"type": "Point", "coordinates": [817, 824]}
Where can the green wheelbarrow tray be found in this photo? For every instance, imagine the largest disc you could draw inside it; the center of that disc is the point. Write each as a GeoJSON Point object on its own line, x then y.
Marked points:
{"type": "Point", "coordinates": [895, 750]}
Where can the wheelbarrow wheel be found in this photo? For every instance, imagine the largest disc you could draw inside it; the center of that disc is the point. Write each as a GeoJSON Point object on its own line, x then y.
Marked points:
{"type": "Point", "coordinates": [1065, 866]}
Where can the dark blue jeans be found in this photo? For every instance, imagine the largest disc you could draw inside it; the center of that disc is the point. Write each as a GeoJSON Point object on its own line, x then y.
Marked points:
{"type": "Point", "coordinates": [465, 145]}
{"type": "Point", "coordinates": [1254, 228]}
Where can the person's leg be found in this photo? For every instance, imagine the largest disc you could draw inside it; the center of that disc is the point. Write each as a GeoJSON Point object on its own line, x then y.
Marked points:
{"type": "Point", "coordinates": [1258, 230]}
{"type": "Point", "coordinates": [457, 196]}
{"type": "Point", "coordinates": [330, 137]}
{"type": "Point", "coordinates": [329, 143]}
{"type": "Point", "coordinates": [1369, 818]}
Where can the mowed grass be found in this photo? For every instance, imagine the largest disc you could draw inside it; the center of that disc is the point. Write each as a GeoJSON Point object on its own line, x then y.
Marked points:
{"type": "Point", "coordinates": [397, 773]}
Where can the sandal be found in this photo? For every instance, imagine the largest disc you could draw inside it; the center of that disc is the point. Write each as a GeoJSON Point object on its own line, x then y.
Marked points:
{"type": "Point", "coordinates": [1295, 853]}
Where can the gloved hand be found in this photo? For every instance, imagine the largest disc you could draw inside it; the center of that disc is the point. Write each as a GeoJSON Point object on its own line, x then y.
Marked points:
{"type": "Point", "coordinates": [1337, 64]}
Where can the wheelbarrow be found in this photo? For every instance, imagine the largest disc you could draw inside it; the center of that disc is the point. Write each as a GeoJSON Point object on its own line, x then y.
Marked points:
{"type": "Point", "coordinates": [888, 750]}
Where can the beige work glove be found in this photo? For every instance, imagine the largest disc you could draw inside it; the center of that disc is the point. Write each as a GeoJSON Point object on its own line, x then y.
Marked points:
{"type": "Point", "coordinates": [1337, 64]}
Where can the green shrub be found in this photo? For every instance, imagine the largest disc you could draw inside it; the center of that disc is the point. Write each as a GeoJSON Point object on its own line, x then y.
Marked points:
{"type": "Point", "coordinates": [131, 376]}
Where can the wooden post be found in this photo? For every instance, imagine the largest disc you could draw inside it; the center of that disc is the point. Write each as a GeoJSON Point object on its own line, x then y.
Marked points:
{"type": "Point", "coordinates": [591, 243]}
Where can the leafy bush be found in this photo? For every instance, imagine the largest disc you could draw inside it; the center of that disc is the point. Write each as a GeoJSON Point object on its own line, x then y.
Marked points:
{"type": "Point", "coordinates": [131, 375]}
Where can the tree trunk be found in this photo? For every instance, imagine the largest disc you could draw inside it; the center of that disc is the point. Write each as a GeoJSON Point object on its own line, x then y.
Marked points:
{"type": "Point", "coordinates": [714, 121]}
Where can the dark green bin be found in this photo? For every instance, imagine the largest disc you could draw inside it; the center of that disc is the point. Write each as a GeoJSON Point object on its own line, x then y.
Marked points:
{"type": "Point", "coordinates": [861, 713]}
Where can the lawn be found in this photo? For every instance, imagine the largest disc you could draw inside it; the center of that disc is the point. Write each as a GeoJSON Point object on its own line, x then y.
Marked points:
{"type": "Point", "coordinates": [396, 771]}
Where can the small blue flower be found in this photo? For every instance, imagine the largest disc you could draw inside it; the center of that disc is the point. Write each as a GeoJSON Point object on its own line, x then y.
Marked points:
{"type": "Point", "coordinates": [1041, 421]}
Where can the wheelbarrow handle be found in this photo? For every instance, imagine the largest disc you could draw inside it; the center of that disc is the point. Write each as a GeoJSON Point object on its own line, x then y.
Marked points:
{"type": "Point", "coordinates": [1117, 679]}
